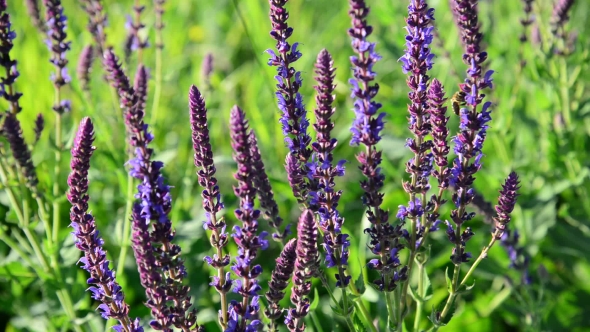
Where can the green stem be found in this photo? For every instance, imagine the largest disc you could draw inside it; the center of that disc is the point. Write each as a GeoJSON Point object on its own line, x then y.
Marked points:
{"type": "Point", "coordinates": [421, 295]}
{"type": "Point", "coordinates": [17, 209]}
{"type": "Point", "coordinates": [56, 193]}
{"type": "Point", "coordinates": [452, 295]}
{"type": "Point", "coordinates": [390, 309]}
{"type": "Point", "coordinates": [365, 315]}
{"type": "Point", "coordinates": [564, 91]}
{"type": "Point", "coordinates": [125, 241]}
{"type": "Point", "coordinates": [159, 47]}
{"type": "Point", "coordinates": [482, 255]}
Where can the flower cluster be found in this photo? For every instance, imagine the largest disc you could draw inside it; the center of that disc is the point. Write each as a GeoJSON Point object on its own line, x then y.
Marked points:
{"type": "Point", "coordinates": [104, 287]}
{"type": "Point", "coordinates": [58, 46]}
{"type": "Point", "coordinates": [294, 116]}
{"type": "Point", "coordinates": [306, 267]}
{"type": "Point", "coordinates": [323, 170]}
{"type": "Point", "coordinates": [416, 62]}
{"type": "Point", "coordinates": [133, 26]}
{"type": "Point", "coordinates": [153, 194]}
{"type": "Point", "coordinates": [519, 259]}
{"type": "Point", "coordinates": [473, 126]}
{"type": "Point", "coordinates": [246, 236]}
{"type": "Point", "coordinates": [366, 130]}
{"type": "Point", "coordinates": [279, 281]}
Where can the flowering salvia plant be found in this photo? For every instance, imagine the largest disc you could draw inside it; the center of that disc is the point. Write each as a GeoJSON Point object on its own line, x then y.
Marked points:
{"type": "Point", "coordinates": [381, 284]}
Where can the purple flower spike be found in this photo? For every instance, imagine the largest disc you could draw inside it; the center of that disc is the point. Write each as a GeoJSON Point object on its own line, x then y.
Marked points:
{"type": "Point", "coordinates": [149, 273]}
{"type": "Point", "coordinates": [58, 46]}
{"type": "Point", "coordinates": [474, 115]}
{"type": "Point", "coordinates": [265, 193]}
{"type": "Point", "coordinates": [306, 267]}
{"type": "Point", "coordinates": [153, 194]}
{"type": "Point", "coordinates": [366, 130]}
{"type": "Point", "coordinates": [294, 116]}
{"type": "Point", "coordinates": [279, 281]}
{"type": "Point", "coordinates": [325, 199]}
{"type": "Point", "coordinates": [211, 197]}
{"type": "Point", "coordinates": [506, 203]}
{"type": "Point", "coordinates": [85, 66]}
{"type": "Point", "coordinates": [246, 236]}
{"type": "Point", "coordinates": [134, 40]}
{"type": "Point", "coordinates": [7, 35]}
{"type": "Point", "coordinates": [104, 287]}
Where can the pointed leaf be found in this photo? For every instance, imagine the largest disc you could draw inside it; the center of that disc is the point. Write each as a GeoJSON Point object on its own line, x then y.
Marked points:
{"type": "Point", "coordinates": [316, 300]}
{"type": "Point", "coordinates": [360, 284]}
{"type": "Point", "coordinates": [449, 281]}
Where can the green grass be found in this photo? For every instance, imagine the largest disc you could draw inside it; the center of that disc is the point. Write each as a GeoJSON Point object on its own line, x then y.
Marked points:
{"type": "Point", "coordinates": [535, 131]}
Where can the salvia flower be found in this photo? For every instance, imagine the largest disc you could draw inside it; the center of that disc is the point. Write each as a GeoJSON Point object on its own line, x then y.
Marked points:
{"type": "Point", "coordinates": [416, 62]}
{"type": "Point", "coordinates": [153, 194]}
{"type": "Point", "coordinates": [58, 46]}
{"type": "Point", "coordinates": [20, 151]}
{"type": "Point", "coordinates": [104, 287]}
{"type": "Point", "coordinates": [149, 274]}
{"type": "Point", "coordinates": [246, 236]}
{"type": "Point", "coordinates": [366, 130]}
{"type": "Point", "coordinates": [279, 281]}
{"type": "Point", "coordinates": [7, 35]}
{"type": "Point", "coordinates": [474, 116]}
{"type": "Point", "coordinates": [211, 196]}
{"type": "Point", "coordinates": [97, 21]}
{"type": "Point", "coordinates": [134, 41]}
{"type": "Point", "coordinates": [85, 66]}
{"type": "Point", "coordinates": [306, 267]}
{"type": "Point", "coordinates": [323, 170]}
{"type": "Point", "coordinates": [265, 193]}
{"type": "Point", "coordinates": [35, 14]}
{"type": "Point", "coordinates": [293, 120]}
{"type": "Point", "coordinates": [506, 203]}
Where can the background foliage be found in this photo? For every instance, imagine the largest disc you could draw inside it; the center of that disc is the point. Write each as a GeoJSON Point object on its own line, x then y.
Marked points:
{"type": "Point", "coordinates": [540, 129]}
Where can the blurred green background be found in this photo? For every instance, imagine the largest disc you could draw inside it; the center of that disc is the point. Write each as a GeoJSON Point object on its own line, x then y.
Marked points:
{"type": "Point", "coordinates": [540, 129]}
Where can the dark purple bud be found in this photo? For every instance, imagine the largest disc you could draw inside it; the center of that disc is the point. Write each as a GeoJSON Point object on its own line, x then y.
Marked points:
{"type": "Point", "coordinates": [264, 191]}
{"type": "Point", "coordinates": [440, 133]}
{"type": "Point", "coordinates": [306, 267]}
{"type": "Point", "coordinates": [20, 152]}
{"type": "Point", "coordinates": [104, 287]}
{"type": "Point", "coordinates": [207, 68]}
{"type": "Point", "coordinates": [506, 203]}
{"type": "Point", "coordinates": [39, 126]}
{"type": "Point", "coordinates": [279, 281]}
{"type": "Point", "coordinates": [85, 66]}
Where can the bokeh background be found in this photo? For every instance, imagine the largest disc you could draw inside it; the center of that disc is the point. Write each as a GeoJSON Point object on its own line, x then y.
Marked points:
{"type": "Point", "coordinates": [540, 129]}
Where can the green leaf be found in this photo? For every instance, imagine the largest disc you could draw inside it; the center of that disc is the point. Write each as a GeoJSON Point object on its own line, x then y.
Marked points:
{"type": "Point", "coordinates": [449, 281]}
{"type": "Point", "coordinates": [359, 283]}
{"type": "Point", "coordinates": [316, 300]}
